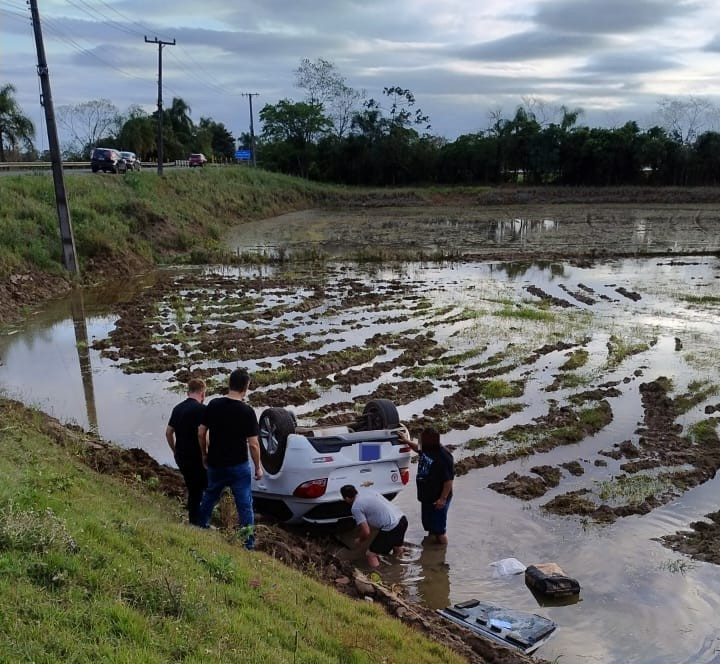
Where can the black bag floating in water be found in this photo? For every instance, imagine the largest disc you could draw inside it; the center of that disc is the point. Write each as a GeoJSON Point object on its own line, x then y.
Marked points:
{"type": "Point", "coordinates": [548, 580]}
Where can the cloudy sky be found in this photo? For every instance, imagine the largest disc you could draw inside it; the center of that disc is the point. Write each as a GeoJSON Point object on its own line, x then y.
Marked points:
{"type": "Point", "coordinates": [462, 59]}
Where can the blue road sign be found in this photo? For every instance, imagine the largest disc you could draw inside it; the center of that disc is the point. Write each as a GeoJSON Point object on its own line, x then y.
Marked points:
{"type": "Point", "coordinates": [243, 155]}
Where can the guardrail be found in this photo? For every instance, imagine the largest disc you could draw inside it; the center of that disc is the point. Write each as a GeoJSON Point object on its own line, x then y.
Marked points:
{"type": "Point", "coordinates": [71, 165]}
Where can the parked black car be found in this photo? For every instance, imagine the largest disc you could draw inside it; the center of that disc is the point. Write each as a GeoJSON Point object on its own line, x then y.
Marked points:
{"type": "Point", "coordinates": [107, 160]}
{"type": "Point", "coordinates": [133, 163]}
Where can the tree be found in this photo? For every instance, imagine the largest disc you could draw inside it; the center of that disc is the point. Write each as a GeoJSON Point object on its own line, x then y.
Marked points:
{"type": "Point", "coordinates": [221, 141]}
{"type": "Point", "coordinates": [402, 113]}
{"type": "Point", "coordinates": [15, 127]}
{"type": "Point", "coordinates": [684, 120]}
{"type": "Point", "coordinates": [87, 123]}
{"type": "Point", "coordinates": [138, 134]}
{"type": "Point", "coordinates": [325, 86]}
{"type": "Point", "coordinates": [294, 127]}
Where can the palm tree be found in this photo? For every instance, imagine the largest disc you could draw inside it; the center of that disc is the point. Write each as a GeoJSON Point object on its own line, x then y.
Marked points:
{"type": "Point", "coordinates": [15, 128]}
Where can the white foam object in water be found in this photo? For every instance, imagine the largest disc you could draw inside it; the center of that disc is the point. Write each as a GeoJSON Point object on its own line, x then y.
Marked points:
{"type": "Point", "coordinates": [507, 567]}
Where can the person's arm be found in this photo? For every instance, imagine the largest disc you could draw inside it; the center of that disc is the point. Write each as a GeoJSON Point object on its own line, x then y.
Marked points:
{"type": "Point", "coordinates": [170, 437]}
{"type": "Point", "coordinates": [363, 533]}
{"type": "Point", "coordinates": [203, 442]}
{"type": "Point", "coordinates": [447, 488]}
{"type": "Point", "coordinates": [254, 447]}
{"type": "Point", "coordinates": [405, 438]}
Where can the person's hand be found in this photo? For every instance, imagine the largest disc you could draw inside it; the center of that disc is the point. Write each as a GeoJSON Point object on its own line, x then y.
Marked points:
{"type": "Point", "coordinates": [402, 435]}
{"type": "Point", "coordinates": [258, 473]}
{"type": "Point", "coordinates": [440, 503]}
{"type": "Point", "coordinates": [356, 542]}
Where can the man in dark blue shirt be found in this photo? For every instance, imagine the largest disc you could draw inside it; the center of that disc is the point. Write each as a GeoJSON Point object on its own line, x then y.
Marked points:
{"type": "Point", "coordinates": [434, 480]}
{"type": "Point", "coordinates": [182, 437]}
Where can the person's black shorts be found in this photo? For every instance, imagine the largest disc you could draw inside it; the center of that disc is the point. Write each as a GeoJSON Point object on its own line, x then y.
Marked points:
{"type": "Point", "coordinates": [385, 540]}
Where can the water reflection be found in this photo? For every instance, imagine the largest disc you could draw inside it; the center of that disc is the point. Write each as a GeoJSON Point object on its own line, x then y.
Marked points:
{"type": "Point", "coordinates": [433, 585]}
{"type": "Point", "coordinates": [77, 306]}
{"type": "Point", "coordinates": [517, 231]}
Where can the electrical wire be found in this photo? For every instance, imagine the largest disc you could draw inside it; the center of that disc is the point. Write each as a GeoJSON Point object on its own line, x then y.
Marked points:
{"type": "Point", "coordinates": [182, 59]}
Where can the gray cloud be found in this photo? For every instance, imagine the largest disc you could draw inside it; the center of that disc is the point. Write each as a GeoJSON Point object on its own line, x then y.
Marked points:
{"type": "Point", "coordinates": [609, 16]}
{"type": "Point", "coordinates": [712, 46]}
{"type": "Point", "coordinates": [531, 45]}
{"type": "Point", "coordinates": [628, 63]}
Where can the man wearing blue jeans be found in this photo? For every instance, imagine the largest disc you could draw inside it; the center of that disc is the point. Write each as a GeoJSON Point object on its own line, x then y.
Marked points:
{"type": "Point", "coordinates": [228, 438]}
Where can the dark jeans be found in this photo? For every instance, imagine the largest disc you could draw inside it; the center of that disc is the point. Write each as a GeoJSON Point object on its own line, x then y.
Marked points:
{"type": "Point", "coordinates": [238, 479]}
{"type": "Point", "coordinates": [434, 520]}
{"type": "Point", "coordinates": [195, 477]}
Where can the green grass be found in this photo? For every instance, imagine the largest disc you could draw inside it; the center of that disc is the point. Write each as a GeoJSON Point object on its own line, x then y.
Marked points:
{"type": "Point", "coordinates": [140, 218]}
{"type": "Point", "coordinates": [525, 313]}
{"type": "Point", "coordinates": [701, 299]}
{"type": "Point", "coordinates": [93, 569]}
{"type": "Point", "coordinates": [620, 349]}
{"type": "Point", "coordinates": [703, 432]}
{"type": "Point", "coordinates": [578, 358]}
{"type": "Point", "coordinates": [632, 489]}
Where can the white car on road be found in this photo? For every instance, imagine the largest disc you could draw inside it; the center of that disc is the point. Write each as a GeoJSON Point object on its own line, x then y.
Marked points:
{"type": "Point", "coordinates": [304, 467]}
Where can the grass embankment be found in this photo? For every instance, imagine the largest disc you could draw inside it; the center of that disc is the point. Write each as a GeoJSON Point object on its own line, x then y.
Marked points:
{"type": "Point", "coordinates": [96, 570]}
{"type": "Point", "coordinates": [140, 219]}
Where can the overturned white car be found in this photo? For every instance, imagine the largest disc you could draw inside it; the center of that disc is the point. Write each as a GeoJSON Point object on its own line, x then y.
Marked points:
{"type": "Point", "coordinates": [304, 467]}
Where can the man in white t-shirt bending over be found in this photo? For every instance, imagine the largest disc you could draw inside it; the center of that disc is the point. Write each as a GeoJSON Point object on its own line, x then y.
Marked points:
{"type": "Point", "coordinates": [371, 510]}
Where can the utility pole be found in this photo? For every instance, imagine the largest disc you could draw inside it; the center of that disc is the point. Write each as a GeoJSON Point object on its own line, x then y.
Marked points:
{"type": "Point", "coordinates": [250, 95]}
{"type": "Point", "coordinates": [63, 212]}
{"type": "Point", "coordinates": [160, 44]}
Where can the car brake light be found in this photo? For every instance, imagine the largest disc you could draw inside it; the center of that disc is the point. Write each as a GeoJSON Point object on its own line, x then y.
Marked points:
{"type": "Point", "coordinates": [405, 475]}
{"type": "Point", "coordinates": [406, 448]}
{"type": "Point", "coordinates": [311, 489]}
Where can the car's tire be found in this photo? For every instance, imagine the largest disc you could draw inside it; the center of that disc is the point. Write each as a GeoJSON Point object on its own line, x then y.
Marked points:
{"type": "Point", "coordinates": [94, 169]}
{"type": "Point", "coordinates": [381, 414]}
{"type": "Point", "coordinates": [276, 424]}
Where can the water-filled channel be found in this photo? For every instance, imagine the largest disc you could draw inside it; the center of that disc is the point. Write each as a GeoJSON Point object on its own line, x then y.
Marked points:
{"type": "Point", "coordinates": [640, 602]}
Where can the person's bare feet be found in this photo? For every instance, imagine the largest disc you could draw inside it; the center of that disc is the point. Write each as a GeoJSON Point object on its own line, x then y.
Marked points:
{"type": "Point", "coordinates": [372, 559]}
{"type": "Point", "coordinates": [398, 550]}
{"type": "Point", "coordinates": [442, 539]}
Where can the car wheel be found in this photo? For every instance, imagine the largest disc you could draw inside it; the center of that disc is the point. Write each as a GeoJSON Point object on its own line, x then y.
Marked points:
{"type": "Point", "coordinates": [95, 169]}
{"type": "Point", "coordinates": [276, 424]}
{"type": "Point", "coordinates": [381, 414]}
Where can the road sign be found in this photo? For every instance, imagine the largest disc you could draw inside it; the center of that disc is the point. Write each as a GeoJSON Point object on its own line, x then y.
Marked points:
{"type": "Point", "coordinates": [243, 155]}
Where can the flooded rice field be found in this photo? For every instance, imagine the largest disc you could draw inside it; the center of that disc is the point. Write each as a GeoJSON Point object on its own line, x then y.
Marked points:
{"type": "Point", "coordinates": [580, 400]}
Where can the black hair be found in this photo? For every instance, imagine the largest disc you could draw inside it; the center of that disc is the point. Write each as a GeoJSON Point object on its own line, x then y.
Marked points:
{"type": "Point", "coordinates": [348, 491]}
{"type": "Point", "coordinates": [239, 380]}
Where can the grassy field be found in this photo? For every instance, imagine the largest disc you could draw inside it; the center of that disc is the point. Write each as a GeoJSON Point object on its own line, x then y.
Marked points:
{"type": "Point", "coordinates": [96, 570]}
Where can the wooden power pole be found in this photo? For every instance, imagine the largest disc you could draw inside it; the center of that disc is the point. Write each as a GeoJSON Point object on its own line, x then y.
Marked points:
{"type": "Point", "coordinates": [63, 212]}
{"type": "Point", "coordinates": [161, 156]}
{"type": "Point", "coordinates": [250, 95]}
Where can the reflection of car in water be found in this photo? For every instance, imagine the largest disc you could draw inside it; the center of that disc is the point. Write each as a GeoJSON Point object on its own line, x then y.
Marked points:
{"type": "Point", "coordinates": [306, 466]}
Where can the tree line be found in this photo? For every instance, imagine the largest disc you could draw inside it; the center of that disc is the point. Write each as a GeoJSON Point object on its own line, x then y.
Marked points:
{"type": "Point", "coordinates": [335, 133]}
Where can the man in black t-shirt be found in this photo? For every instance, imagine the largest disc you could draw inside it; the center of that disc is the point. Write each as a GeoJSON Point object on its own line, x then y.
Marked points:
{"type": "Point", "coordinates": [434, 480]}
{"type": "Point", "coordinates": [182, 437]}
{"type": "Point", "coordinates": [228, 432]}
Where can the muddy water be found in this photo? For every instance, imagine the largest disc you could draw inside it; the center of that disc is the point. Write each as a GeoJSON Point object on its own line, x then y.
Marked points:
{"type": "Point", "coordinates": [640, 602]}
